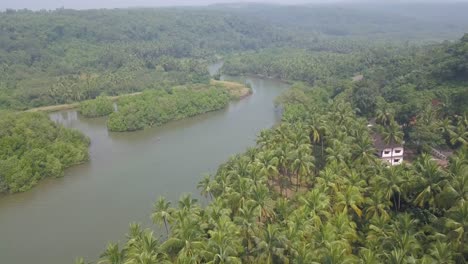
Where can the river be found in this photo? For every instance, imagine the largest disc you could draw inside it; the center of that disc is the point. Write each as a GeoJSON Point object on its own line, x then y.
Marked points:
{"type": "Point", "coordinates": [93, 204]}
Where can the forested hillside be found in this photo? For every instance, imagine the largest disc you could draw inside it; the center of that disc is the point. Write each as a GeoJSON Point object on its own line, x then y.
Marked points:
{"type": "Point", "coordinates": [295, 64]}
{"type": "Point", "coordinates": [63, 56]}
{"type": "Point", "coordinates": [401, 79]}
{"type": "Point", "coordinates": [368, 19]}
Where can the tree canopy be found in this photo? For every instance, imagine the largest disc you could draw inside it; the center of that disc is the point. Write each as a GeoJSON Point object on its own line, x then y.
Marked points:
{"type": "Point", "coordinates": [32, 147]}
{"type": "Point", "coordinates": [158, 107]}
{"type": "Point", "coordinates": [312, 191]}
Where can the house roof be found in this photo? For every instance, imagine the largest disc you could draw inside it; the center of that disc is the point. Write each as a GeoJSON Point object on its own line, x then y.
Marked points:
{"type": "Point", "coordinates": [358, 78]}
{"type": "Point", "coordinates": [380, 144]}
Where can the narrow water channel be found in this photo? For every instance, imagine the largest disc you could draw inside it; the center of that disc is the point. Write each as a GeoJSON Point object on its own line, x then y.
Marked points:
{"type": "Point", "coordinates": [77, 215]}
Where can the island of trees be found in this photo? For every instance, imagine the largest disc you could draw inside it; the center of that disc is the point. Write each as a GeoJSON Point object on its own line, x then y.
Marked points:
{"type": "Point", "coordinates": [32, 147]}
{"type": "Point", "coordinates": [158, 107]}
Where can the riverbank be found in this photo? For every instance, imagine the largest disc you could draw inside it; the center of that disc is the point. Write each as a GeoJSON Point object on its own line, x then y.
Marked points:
{"type": "Point", "coordinates": [95, 201]}
{"type": "Point", "coordinates": [62, 107]}
{"type": "Point", "coordinates": [156, 107]}
{"type": "Point", "coordinates": [237, 90]}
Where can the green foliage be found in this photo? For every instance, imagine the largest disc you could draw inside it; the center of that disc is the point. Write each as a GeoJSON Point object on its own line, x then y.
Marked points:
{"type": "Point", "coordinates": [63, 56]}
{"type": "Point", "coordinates": [398, 83]}
{"type": "Point", "coordinates": [452, 62]}
{"type": "Point", "coordinates": [32, 148]}
{"type": "Point", "coordinates": [68, 56]}
{"type": "Point", "coordinates": [101, 106]}
{"type": "Point", "coordinates": [369, 20]}
{"type": "Point", "coordinates": [365, 97]}
{"type": "Point", "coordinates": [292, 64]}
{"type": "Point", "coordinates": [312, 191]}
{"type": "Point", "coordinates": [154, 108]}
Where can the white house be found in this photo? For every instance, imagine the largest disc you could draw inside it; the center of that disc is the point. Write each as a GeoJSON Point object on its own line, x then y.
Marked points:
{"type": "Point", "coordinates": [391, 153]}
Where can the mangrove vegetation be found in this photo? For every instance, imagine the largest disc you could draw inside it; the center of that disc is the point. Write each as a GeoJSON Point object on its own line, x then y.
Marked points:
{"type": "Point", "coordinates": [32, 147]}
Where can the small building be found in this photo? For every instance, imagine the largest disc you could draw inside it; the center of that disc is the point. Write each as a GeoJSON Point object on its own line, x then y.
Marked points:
{"type": "Point", "coordinates": [391, 153]}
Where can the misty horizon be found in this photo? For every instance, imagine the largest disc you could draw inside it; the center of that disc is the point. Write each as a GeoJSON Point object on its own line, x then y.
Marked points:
{"type": "Point", "coordinates": [90, 4]}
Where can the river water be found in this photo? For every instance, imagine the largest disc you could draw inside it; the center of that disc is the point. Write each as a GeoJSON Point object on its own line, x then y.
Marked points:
{"type": "Point", "coordinates": [77, 215]}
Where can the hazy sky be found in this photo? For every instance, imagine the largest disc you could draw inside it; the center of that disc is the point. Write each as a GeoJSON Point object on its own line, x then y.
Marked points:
{"type": "Point", "coordinates": [81, 4]}
{"type": "Point", "coordinates": [85, 4]}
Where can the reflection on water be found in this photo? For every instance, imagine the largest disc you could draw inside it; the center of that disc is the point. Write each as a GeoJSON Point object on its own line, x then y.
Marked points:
{"type": "Point", "coordinates": [77, 215]}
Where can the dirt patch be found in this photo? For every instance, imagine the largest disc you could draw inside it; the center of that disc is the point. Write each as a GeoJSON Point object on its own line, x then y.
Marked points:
{"type": "Point", "coordinates": [237, 90]}
{"type": "Point", "coordinates": [55, 108]}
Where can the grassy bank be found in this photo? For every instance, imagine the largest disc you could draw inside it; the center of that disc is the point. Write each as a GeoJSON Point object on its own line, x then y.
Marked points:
{"type": "Point", "coordinates": [61, 107]}
{"type": "Point", "coordinates": [236, 90]}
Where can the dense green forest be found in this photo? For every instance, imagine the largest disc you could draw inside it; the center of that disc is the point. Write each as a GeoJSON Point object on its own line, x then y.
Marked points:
{"type": "Point", "coordinates": [313, 191]}
{"type": "Point", "coordinates": [158, 107]}
{"type": "Point", "coordinates": [32, 147]}
{"type": "Point", "coordinates": [396, 81]}
{"type": "Point", "coordinates": [63, 56]}
{"type": "Point", "coordinates": [295, 64]}
{"type": "Point", "coordinates": [364, 21]}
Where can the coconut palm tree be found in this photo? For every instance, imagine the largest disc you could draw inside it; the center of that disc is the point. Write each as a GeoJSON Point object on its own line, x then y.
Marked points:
{"type": "Point", "coordinates": [145, 249]}
{"type": "Point", "coordinates": [224, 245]}
{"type": "Point", "coordinates": [349, 199]}
{"type": "Point", "coordinates": [79, 261]}
{"type": "Point", "coordinates": [205, 186]}
{"type": "Point", "coordinates": [455, 190]}
{"type": "Point", "coordinates": [161, 213]}
{"type": "Point", "coordinates": [457, 225]}
{"type": "Point", "coordinates": [459, 134]}
{"type": "Point", "coordinates": [303, 163]}
{"type": "Point", "coordinates": [396, 256]}
{"type": "Point", "coordinates": [392, 133]}
{"type": "Point", "coordinates": [316, 202]}
{"type": "Point", "coordinates": [270, 246]}
{"type": "Point", "coordinates": [389, 183]}
{"type": "Point", "coordinates": [363, 150]}
{"type": "Point", "coordinates": [262, 199]}
{"type": "Point", "coordinates": [367, 256]}
{"type": "Point", "coordinates": [441, 252]}
{"type": "Point", "coordinates": [304, 254]}
{"type": "Point", "coordinates": [315, 131]}
{"type": "Point", "coordinates": [377, 205]}
{"type": "Point", "coordinates": [385, 116]}
{"type": "Point", "coordinates": [267, 164]}
{"type": "Point", "coordinates": [112, 255]}
{"type": "Point", "coordinates": [337, 252]}
{"type": "Point", "coordinates": [247, 220]}
{"type": "Point", "coordinates": [186, 240]}
{"type": "Point", "coordinates": [430, 182]}
{"type": "Point", "coordinates": [188, 204]}
{"type": "Point", "coordinates": [344, 227]}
